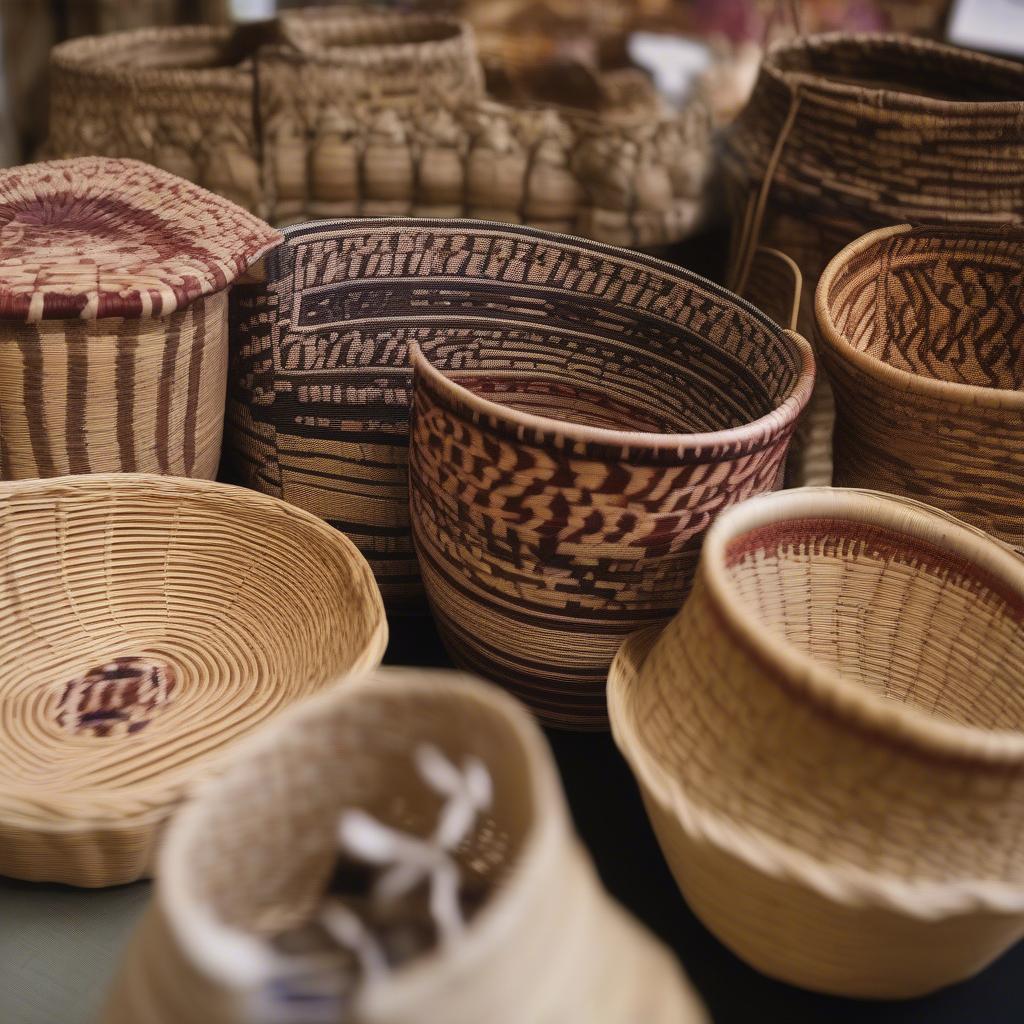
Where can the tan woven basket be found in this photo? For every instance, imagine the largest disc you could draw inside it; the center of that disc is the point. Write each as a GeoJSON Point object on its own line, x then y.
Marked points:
{"type": "Point", "coordinates": [148, 622]}
{"type": "Point", "coordinates": [113, 318]}
{"type": "Point", "coordinates": [923, 339]}
{"type": "Point", "coordinates": [254, 851]}
{"type": "Point", "coordinates": [348, 113]}
{"type": "Point", "coordinates": [845, 133]}
{"type": "Point", "coordinates": [830, 741]}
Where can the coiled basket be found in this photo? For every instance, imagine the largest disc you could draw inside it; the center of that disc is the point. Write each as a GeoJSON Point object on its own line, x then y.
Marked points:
{"type": "Point", "coordinates": [148, 622]}
{"type": "Point", "coordinates": [830, 741]}
{"type": "Point", "coordinates": [252, 854]}
{"type": "Point", "coordinates": [846, 133]}
{"type": "Point", "coordinates": [113, 318]}
{"type": "Point", "coordinates": [922, 335]}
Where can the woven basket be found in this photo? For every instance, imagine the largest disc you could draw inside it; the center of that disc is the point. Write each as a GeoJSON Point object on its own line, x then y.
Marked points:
{"type": "Point", "coordinates": [923, 339]}
{"type": "Point", "coordinates": [254, 851]}
{"type": "Point", "coordinates": [148, 622]}
{"type": "Point", "coordinates": [334, 112]}
{"type": "Point", "coordinates": [845, 133]}
{"type": "Point", "coordinates": [113, 318]}
{"type": "Point", "coordinates": [319, 411]}
{"type": "Point", "coordinates": [829, 741]}
{"type": "Point", "coordinates": [774, 284]}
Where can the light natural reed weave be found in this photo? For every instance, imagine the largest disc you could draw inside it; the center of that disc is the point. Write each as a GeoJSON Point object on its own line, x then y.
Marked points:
{"type": "Point", "coordinates": [845, 133]}
{"type": "Point", "coordinates": [922, 334]}
{"type": "Point", "coordinates": [148, 622]}
{"type": "Point", "coordinates": [830, 741]}
{"type": "Point", "coordinates": [113, 318]}
{"type": "Point", "coordinates": [252, 854]}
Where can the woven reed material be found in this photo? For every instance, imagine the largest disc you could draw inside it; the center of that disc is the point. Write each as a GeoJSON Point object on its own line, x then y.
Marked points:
{"type": "Point", "coordinates": [254, 851]}
{"type": "Point", "coordinates": [923, 339]}
{"type": "Point", "coordinates": [845, 133]}
{"type": "Point", "coordinates": [829, 737]}
{"type": "Point", "coordinates": [333, 113]}
{"type": "Point", "coordinates": [319, 411]}
{"type": "Point", "coordinates": [148, 622]}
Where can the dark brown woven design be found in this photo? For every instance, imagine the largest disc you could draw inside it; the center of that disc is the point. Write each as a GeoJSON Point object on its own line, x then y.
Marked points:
{"type": "Point", "coordinates": [923, 338]}
{"type": "Point", "coordinates": [331, 113]}
{"type": "Point", "coordinates": [849, 132]}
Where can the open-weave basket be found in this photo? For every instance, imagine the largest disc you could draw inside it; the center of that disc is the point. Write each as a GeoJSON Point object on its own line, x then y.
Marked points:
{"type": "Point", "coordinates": [113, 317]}
{"type": "Point", "coordinates": [340, 112]}
{"type": "Point", "coordinates": [251, 855]}
{"type": "Point", "coordinates": [148, 622]}
{"type": "Point", "coordinates": [922, 334]}
{"type": "Point", "coordinates": [321, 379]}
{"type": "Point", "coordinates": [845, 133]}
{"type": "Point", "coordinates": [830, 741]}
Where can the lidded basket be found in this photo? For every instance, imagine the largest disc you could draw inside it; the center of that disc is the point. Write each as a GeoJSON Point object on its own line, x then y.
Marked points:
{"type": "Point", "coordinates": [113, 318]}
{"type": "Point", "coordinates": [830, 741]}
{"type": "Point", "coordinates": [148, 622]}
{"type": "Point", "coordinates": [845, 133]}
{"type": "Point", "coordinates": [254, 851]}
{"type": "Point", "coordinates": [922, 335]}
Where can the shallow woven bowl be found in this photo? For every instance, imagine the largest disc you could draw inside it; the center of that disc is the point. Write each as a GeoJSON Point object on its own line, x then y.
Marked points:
{"type": "Point", "coordinates": [830, 741]}
{"type": "Point", "coordinates": [562, 472]}
{"type": "Point", "coordinates": [923, 339]}
{"type": "Point", "coordinates": [147, 623]}
{"type": "Point", "coordinates": [113, 317]}
{"type": "Point", "coordinates": [252, 854]}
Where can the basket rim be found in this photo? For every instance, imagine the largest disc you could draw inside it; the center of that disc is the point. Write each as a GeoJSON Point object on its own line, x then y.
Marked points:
{"type": "Point", "coordinates": [916, 45]}
{"type": "Point", "coordinates": [838, 882]}
{"type": "Point", "coordinates": [954, 392]}
{"type": "Point", "coordinates": [161, 795]}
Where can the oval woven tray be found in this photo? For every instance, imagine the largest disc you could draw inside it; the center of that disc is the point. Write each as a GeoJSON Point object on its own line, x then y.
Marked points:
{"type": "Point", "coordinates": [147, 623]}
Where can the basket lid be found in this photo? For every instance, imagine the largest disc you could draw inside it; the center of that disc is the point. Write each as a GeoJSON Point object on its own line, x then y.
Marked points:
{"type": "Point", "coordinates": [99, 237]}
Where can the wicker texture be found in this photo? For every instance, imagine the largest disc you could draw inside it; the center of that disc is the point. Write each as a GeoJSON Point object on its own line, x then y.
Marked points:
{"type": "Point", "coordinates": [319, 411]}
{"type": "Point", "coordinates": [254, 850]}
{"type": "Point", "coordinates": [845, 133]}
{"type": "Point", "coordinates": [922, 335]}
{"type": "Point", "coordinates": [829, 740]}
{"type": "Point", "coordinates": [113, 318]}
{"type": "Point", "coordinates": [147, 623]}
{"type": "Point", "coordinates": [339, 113]}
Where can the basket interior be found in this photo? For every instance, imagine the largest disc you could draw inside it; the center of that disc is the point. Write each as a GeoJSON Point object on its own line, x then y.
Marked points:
{"type": "Point", "coordinates": [145, 627]}
{"type": "Point", "coordinates": [909, 622]}
{"type": "Point", "coordinates": [941, 304]}
{"type": "Point", "coordinates": [263, 847]}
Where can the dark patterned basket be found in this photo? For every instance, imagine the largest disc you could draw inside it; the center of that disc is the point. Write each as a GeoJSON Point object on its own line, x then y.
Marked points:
{"type": "Point", "coordinates": [923, 340]}
{"type": "Point", "coordinates": [845, 133]}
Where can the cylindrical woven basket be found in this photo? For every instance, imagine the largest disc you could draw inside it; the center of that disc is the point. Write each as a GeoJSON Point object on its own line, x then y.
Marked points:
{"type": "Point", "coordinates": [562, 473]}
{"type": "Point", "coordinates": [340, 112]}
{"type": "Point", "coordinates": [321, 381]}
{"type": "Point", "coordinates": [922, 335]}
{"type": "Point", "coordinates": [148, 622]}
{"type": "Point", "coordinates": [254, 851]}
{"type": "Point", "coordinates": [845, 133]}
{"type": "Point", "coordinates": [113, 318]}
{"type": "Point", "coordinates": [830, 741]}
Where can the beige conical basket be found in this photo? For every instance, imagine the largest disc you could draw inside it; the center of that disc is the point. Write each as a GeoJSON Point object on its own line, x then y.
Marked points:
{"type": "Point", "coordinates": [830, 741]}
{"type": "Point", "coordinates": [148, 622]}
{"type": "Point", "coordinates": [252, 853]}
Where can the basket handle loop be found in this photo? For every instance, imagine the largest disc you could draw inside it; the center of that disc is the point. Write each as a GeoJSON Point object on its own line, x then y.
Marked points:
{"type": "Point", "coordinates": [785, 19]}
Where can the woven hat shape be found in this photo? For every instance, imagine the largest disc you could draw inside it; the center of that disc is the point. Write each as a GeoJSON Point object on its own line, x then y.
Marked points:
{"type": "Point", "coordinates": [96, 237]}
{"type": "Point", "coordinates": [254, 852]}
{"type": "Point", "coordinates": [830, 741]}
{"type": "Point", "coordinates": [922, 335]}
{"type": "Point", "coordinates": [147, 623]}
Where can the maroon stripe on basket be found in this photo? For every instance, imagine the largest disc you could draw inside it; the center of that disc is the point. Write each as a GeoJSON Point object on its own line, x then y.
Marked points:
{"type": "Point", "coordinates": [124, 369]}
{"type": "Point", "coordinates": [77, 396]}
{"type": "Point", "coordinates": [195, 370]}
{"type": "Point", "coordinates": [163, 406]}
{"type": "Point", "coordinates": [833, 538]}
{"type": "Point", "coordinates": [31, 347]}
